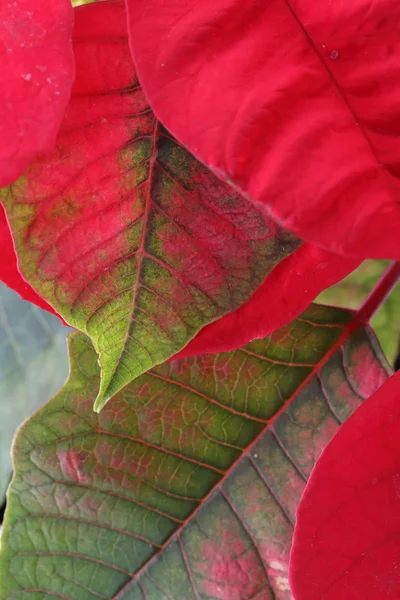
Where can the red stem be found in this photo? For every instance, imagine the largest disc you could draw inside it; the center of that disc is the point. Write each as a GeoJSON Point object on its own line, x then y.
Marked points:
{"type": "Point", "coordinates": [379, 293]}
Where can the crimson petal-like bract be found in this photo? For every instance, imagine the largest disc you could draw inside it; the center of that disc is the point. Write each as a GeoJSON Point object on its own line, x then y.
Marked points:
{"type": "Point", "coordinates": [347, 537]}
{"type": "Point", "coordinates": [36, 74]}
{"type": "Point", "coordinates": [294, 102]}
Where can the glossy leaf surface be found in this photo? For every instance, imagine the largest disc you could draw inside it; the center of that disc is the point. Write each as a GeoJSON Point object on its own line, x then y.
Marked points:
{"type": "Point", "coordinates": [186, 485]}
{"type": "Point", "coordinates": [121, 230]}
{"type": "Point", "coordinates": [347, 536]}
{"type": "Point", "coordinates": [33, 366]}
{"type": "Point", "coordinates": [36, 74]}
{"type": "Point", "coordinates": [281, 99]}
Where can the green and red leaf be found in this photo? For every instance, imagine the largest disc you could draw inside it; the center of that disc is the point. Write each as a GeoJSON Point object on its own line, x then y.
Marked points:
{"type": "Point", "coordinates": [186, 485]}
{"type": "Point", "coordinates": [36, 74]}
{"type": "Point", "coordinates": [296, 103]}
{"type": "Point", "coordinates": [126, 235]}
{"type": "Point", "coordinates": [9, 273]}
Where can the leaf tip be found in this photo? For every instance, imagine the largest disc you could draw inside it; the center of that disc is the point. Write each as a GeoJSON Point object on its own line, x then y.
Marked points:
{"type": "Point", "coordinates": [100, 402]}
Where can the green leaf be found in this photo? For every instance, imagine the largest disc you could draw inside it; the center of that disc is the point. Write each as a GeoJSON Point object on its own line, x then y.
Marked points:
{"type": "Point", "coordinates": [186, 485]}
{"type": "Point", "coordinates": [33, 366]}
{"type": "Point", "coordinates": [121, 230]}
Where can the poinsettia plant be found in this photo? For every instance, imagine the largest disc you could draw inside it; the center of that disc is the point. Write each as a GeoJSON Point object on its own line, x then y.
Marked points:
{"type": "Point", "coordinates": [179, 181]}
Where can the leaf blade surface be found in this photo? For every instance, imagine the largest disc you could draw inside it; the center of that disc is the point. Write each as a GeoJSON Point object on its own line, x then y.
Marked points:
{"type": "Point", "coordinates": [187, 483]}
{"type": "Point", "coordinates": [9, 273]}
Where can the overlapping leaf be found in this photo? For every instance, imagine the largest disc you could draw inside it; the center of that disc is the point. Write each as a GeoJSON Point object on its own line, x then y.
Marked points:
{"type": "Point", "coordinates": [133, 241]}
{"type": "Point", "coordinates": [36, 74]}
{"type": "Point", "coordinates": [186, 484]}
{"type": "Point", "coordinates": [33, 366]}
{"type": "Point", "coordinates": [346, 542]}
{"type": "Point", "coordinates": [281, 99]}
{"type": "Point", "coordinates": [126, 235]}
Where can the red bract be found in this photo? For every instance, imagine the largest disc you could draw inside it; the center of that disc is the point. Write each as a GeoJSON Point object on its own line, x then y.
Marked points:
{"type": "Point", "coordinates": [295, 103]}
{"type": "Point", "coordinates": [9, 273]}
{"type": "Point", "coordinates": [347, 537]}
{"type": "Point", "coordinates": [36, 73]}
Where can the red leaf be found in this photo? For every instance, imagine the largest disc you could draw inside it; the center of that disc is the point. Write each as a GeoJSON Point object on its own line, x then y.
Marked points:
{"type": "Point", "coordinates": [294, 102]}
{"type": "Point", "coordinates": [36, 74]}
{"type": "Point", "coordinates": [347, 538]}
{"type": "Point", "coordinates": [285, 293]}
{"type": "Point", "coordinates": [9, 273]}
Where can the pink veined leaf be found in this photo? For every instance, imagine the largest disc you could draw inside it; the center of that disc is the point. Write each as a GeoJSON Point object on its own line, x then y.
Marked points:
{"type": "Point", "coordinates": [36, 74]}
{"type": "Point", "coordinates": [347, 536]}
{"type": "Point", "coordinates": [186, 485]}
{"type": "Point", "coordinates": [294, 102]}
{"type": "Point", "coordinates": [130, 238]}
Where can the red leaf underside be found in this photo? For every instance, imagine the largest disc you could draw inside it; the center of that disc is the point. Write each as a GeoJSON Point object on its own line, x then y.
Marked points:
{"type": "Point", "coordinates": [346, 542]}
{"type": "Point", "coordinates": [281, 99]}
{"type": "Point", "coordinates": [37, 70]}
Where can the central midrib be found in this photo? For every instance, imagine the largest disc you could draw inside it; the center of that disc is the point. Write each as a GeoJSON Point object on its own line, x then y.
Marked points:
{"type": "Point", "coordinates": [348, 329]}
{"type": "Point", "coordinates": [140, 253]}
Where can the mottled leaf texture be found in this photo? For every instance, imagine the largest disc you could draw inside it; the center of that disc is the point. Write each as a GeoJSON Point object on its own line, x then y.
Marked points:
{"type": "Point", "coordinates": [36, 74]}
{"type": "Point", "coordinates": [346, 542]}
{"type": "Point", "coordinates": [33, 366]}
{"type": "Point", "coordinates": [185, 486]}
{"type": "Point", "coordinates": [281, 99]}
{"type": "Point", "coordinates": [284, 294]}
{"type": "Point", "coordinates": [121, 230]}
{"type": "Point", "coordinates": [9, 273]}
